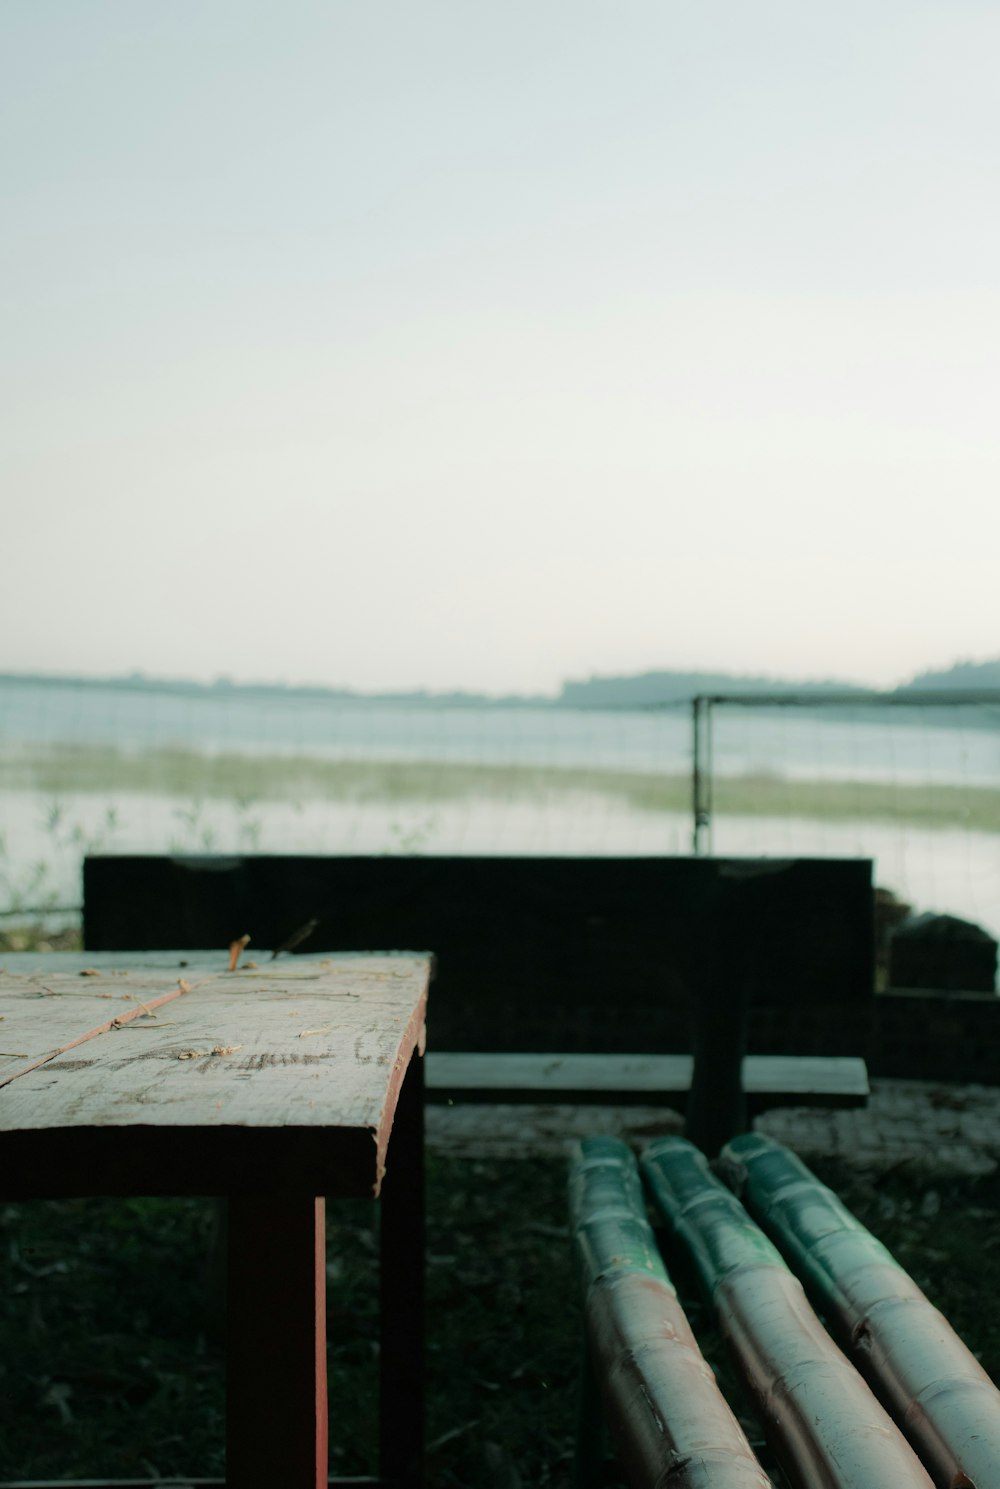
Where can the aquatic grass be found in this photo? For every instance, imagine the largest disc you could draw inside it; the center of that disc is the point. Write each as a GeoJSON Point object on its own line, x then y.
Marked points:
{"type": "Point", "coordinates": [247, 780]}
{"type": "Point", "coordinates": [922, 804]}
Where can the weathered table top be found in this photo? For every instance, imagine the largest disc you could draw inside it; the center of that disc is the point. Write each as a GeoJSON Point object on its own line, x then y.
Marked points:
{"type": "Point", "coordinates": [168, 1074]}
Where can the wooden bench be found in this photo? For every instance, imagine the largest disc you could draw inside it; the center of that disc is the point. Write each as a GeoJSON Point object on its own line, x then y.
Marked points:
{"type": "Point", "coordinates": [905, 1404]}
{"type": "Point", "coordinates": [560, 979]}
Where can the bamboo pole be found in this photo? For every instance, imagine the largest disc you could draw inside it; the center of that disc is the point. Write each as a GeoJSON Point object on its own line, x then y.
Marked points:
{"type": "Point", "coordinates": [821, 1419]}
{"type": "Point", "coordinates": [667, 1415]}
{"type": "Point", "coordinates": [931, 1383]}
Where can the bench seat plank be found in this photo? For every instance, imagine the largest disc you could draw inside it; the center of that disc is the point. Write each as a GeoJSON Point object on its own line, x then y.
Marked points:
{"type": "Point", "coordinates": [769, 1080]}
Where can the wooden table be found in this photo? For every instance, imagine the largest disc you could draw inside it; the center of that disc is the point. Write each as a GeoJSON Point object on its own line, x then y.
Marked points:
{"type": "Point", "coordinates": [274, 1086]}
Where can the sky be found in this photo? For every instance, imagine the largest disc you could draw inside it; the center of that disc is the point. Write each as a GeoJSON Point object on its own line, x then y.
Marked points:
{"type": "Point", "coordinates": [392, 344]}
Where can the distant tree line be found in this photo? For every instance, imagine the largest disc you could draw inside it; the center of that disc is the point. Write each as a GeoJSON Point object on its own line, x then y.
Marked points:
{"type": "Point", "coordinates": [640, 690]}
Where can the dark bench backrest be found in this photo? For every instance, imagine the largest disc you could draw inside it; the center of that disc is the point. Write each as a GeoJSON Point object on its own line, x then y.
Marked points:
{"type": "Point", "coordinates": [533, 953]}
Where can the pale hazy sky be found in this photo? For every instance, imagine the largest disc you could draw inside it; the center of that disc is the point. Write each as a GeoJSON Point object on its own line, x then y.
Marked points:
{"type": "Point", "coordinates": [453, 343]}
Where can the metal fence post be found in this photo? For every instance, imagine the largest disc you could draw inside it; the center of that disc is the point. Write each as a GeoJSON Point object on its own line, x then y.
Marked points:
{"type": "Point", "coordinates": [701, 775]}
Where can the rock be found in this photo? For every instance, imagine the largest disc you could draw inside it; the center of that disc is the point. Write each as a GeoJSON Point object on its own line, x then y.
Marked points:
{"type": "Point", "coordinates": [943, 953]}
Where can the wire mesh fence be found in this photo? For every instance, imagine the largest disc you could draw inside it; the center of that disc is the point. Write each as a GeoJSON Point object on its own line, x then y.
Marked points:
{"type": "Point", "coordinates": [133, 767]}
{"type": "Point", "coordinates": [187, 770]}
{"type": "Point", "coordinates": [912, 782]}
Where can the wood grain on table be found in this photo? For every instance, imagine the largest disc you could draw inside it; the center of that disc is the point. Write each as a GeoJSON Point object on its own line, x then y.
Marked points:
{"type": "Point", "coordinates": [142, 1075]}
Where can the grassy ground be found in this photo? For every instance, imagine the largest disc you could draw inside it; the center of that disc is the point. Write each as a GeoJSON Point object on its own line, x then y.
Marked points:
{"type": "Point", "coordinates": [110, 1350]}
{"type": "Point", "coordinates": [110, 1360]}
{"type": "Point", "coordinates": [35, 937]}
{"type": "Point", "coordinates": [251, 779]}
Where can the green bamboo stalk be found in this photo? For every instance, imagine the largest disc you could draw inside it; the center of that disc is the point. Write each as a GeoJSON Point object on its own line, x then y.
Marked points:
{"type": "Point", "coordinates": [928, 1379]}
{"type": "Point", "coordinates": [668, 1417]}
{"type": "Point", "coordinates": [820, 1417]}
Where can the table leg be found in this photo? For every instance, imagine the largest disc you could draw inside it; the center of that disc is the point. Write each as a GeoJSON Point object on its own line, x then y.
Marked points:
{"type": "Point", "coordinates": [276, 1397]}
{"type": "Point", "coordinates": [402, 1289]}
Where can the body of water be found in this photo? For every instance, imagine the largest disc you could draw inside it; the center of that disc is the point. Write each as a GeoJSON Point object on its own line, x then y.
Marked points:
{"type": "Point", "coordinates": [879, 744]}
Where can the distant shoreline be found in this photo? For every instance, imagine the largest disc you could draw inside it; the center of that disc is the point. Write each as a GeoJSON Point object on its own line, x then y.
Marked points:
{"type": "Point", "coordinates": [292, 692]}
{"type": "Point", "coordinates": [637, 692]}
